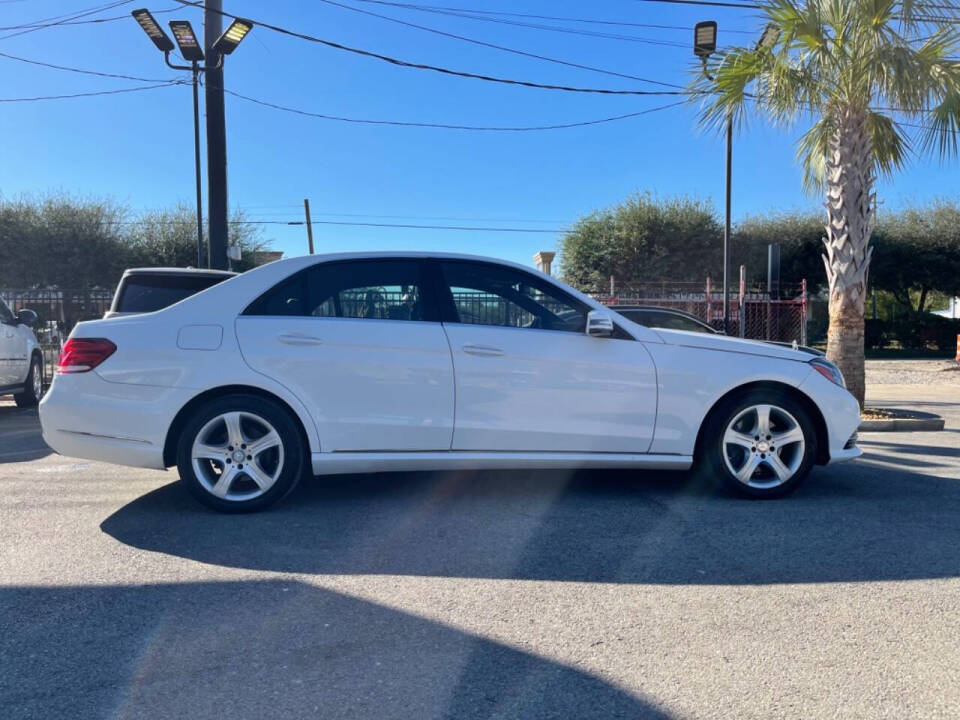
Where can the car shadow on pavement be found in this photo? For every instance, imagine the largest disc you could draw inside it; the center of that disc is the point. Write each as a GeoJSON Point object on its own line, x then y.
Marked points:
{"type": "Point", "coordinates": [273, 648]}
{"type": "Point", "coordinates": [20, 438]}
{"type": "Point", "coordinates": [861, 521]}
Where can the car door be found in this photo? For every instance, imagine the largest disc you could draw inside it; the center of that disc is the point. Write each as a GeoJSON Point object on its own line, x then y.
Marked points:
{"type": "Point", "coordinates": [528, 378]}
{"type": "Point", "coordinates": [361, 344]}
{"type": "Point", "coordinates": [13, 349]}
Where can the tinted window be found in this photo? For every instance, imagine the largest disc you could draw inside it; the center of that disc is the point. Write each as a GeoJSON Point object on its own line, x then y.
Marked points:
{"type": "Point", "coordinates": [5, 315]}
{"type": "Point", "coordinates": [665, 320]}
{"type": "Point", "coordinates": [494, 295]}
{"type": "Point", "coordinates": [376, 290]}
{"type": "Point", "coordinates": [147, 293]}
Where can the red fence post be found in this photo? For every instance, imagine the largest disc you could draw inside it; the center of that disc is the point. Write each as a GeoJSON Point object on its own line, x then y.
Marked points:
{"type": "Point", "coordinates": [707, 297]}
{"type": "Point", "coordinates": [803, 311]}
{"type": "Point", "coordinates": [741, 308]}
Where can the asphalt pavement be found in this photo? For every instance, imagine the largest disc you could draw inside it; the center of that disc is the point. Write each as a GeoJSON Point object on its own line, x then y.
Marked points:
{"type": "Point", "coordinates": [486, 594]}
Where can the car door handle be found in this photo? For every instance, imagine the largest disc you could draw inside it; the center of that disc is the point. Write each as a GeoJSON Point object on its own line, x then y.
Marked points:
{"type": "Point", "coordinates": [297, 339]}
{"type": "Point", "coordinates": [482, 350]}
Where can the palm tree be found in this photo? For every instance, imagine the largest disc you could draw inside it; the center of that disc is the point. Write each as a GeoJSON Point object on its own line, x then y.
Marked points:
{"type": "Point", "coordinates": [876, 81]}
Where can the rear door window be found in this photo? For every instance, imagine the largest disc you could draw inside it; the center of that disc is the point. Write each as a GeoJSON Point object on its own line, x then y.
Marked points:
{"type": "Point", "coordinates": [367, 289]}
{"type": "Point", "coordinates": [148, 293]}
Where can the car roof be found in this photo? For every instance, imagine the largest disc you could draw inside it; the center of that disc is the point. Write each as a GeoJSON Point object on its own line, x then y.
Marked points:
{"type": "Point", "coordinates": [176, 271]}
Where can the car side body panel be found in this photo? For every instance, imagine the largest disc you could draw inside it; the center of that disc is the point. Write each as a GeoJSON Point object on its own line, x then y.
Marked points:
{"type": "Point", "coordinates": [123, 410]}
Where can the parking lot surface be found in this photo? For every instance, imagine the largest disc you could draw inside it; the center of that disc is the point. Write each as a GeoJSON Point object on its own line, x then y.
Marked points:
{"type": "Point", "coordinates": [487, 594]}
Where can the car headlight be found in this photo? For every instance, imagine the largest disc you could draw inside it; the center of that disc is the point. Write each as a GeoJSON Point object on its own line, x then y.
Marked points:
{"type": "Point", "coordinates": [830, 371]}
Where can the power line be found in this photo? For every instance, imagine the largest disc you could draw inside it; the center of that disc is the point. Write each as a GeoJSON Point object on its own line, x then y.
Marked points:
{"type": "Point", "coordinates": [449, 126]}
{"type": "Point", "coordinates": [66, 18]}
{"type": "Point", "coordinates": [91, 94]}
{"type": "Point", "coordinates": [82, 71]}
{"type": "Point", "coordinates": [516, 23]}
{"type": "Point", "coordinates": [39, 25]}
{"type": "Point", "coordinates": [397, 225]}
{"type": "Point", "coordinates": [473, 12]}
{"type": "Point", "coordinates": [443, 70]}
{"type": "Point", "coordinates": [482, 43]}
{"type": "Point", "coordinates": [707, 3]}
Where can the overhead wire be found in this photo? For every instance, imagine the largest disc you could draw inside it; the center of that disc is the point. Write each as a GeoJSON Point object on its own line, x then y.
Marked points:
{"type": "Point", "coordinates": [92, 93]}
{"type": "Point", "coordinates": [452, 126]}
{"type": "Point", "coordinates": [472, 12]}
{"type": "Point", "coordinates": [444, 70]}
{"type": "Point", "coordinates": [494, 46]}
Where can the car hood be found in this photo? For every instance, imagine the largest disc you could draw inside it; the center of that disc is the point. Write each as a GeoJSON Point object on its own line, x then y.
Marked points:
{"type": "Point", "coordinates": [724, 343]}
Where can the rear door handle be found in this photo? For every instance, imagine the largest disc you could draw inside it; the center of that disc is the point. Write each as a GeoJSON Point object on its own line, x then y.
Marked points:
{"type": "Point", "coordinates": [482, 350]}
{"type": "Point", "coordinates": [297, 339]}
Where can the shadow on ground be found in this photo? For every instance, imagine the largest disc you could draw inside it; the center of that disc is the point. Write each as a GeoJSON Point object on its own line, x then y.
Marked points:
{"type": "Point", "coordinates": [876, 519]}
{"type": "Point", "coordinates": [20, 439]}
{"type": "Point", "coordinates": [268, 649]}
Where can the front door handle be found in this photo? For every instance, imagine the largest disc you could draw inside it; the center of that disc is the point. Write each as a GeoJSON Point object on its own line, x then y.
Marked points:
{"type": "Point", "coordinates": [482, 350]}
{"type": "Point", "coordinates": [298, 339]}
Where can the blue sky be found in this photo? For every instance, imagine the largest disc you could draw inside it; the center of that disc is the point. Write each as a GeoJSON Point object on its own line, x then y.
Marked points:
{"type": "Point", "coordinates": [137, 148]}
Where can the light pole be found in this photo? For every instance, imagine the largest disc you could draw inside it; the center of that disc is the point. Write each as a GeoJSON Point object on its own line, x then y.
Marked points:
{"type": "Point", "coordinates": [192, 52]}
{"type": "Point", "coordinates": [704, 45]}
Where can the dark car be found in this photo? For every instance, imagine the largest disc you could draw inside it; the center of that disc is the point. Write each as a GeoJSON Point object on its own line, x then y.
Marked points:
{"type": "Point", "coordinates": [143, 290]}
{"type": "Point", "coordinates": [670, 319]}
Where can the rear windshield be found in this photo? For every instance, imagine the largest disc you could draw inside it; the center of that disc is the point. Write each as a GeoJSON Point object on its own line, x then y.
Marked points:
{"type": "Point", "coordinates": [147, 293]}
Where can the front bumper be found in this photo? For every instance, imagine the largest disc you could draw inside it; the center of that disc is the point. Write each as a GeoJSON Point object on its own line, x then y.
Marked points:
{"type": "Point", "coordinates": [84, 416]}
{"type": "Point", "coordinates": [841, 413]}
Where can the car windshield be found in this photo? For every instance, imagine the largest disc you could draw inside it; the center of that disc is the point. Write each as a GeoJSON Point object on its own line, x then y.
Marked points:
{"type": "Point", "coordinates": [147, 293]}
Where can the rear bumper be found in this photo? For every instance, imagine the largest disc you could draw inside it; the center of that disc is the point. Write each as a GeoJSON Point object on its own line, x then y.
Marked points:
{"type": "Point", "coordinates": [85, 416]}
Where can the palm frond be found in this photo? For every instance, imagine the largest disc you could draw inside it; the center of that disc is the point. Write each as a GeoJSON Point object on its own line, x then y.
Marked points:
{"type": "Point", "coordinates": [943, 125]}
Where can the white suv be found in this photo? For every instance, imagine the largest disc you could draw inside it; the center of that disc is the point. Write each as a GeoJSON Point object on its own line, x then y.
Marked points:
{"type": "Point", "coordinates": [21, 360]}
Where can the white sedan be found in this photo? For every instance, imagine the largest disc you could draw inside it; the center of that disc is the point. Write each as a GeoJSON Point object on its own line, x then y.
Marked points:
{"type": "Point", "coordinates": [373, 362]}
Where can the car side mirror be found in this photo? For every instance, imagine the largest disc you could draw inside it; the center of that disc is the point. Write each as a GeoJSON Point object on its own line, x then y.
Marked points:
{"type": "Point", "coordinates": [599, 324]}
{"type": "Point", "coordinates": [26, 317]}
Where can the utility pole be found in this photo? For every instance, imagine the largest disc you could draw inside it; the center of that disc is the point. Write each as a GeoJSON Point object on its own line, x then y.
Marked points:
{"type": "Point", "coordinates": [306, 210]}
{"type": "Point", "coordinates": [216, 137]}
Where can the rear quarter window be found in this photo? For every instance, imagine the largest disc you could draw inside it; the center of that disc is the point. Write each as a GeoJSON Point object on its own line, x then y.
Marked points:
{"type": "Point", "coordinates": [148, 293]}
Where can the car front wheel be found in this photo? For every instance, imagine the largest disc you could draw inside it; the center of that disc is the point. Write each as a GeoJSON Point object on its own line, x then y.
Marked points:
{"type": "Point", "coordinates": [240, 453]}
{"type": "Point", "coordinates": [761, 444]}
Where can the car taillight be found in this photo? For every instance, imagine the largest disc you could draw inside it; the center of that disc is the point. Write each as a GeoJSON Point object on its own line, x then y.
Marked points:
{"type": "Point", "coordinates": [84, 354]}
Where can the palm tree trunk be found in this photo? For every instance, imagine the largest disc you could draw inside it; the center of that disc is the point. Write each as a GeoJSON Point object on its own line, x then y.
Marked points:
{"type": "Point", "coordinates": [850, 206]}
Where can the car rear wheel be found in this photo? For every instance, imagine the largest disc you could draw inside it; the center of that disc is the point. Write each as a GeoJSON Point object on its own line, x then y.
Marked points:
{"type": "Point", "coordinates": [240, 453]}
{"type": "Point", "coordinates": [33, 388]}
{"type": "Point", "coordinates": [761, 444]}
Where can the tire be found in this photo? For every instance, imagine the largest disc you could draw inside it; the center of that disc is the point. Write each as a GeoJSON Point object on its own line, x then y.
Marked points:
{"type": "Point", "coordinates": [265, 467]}
{"type": "Point", "coordinates": [33, 387]}
{"type": "Point", "coordinates": [752, 461]}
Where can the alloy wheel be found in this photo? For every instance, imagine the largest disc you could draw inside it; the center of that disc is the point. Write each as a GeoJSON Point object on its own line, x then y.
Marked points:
{"type": "Point", "coordinates": [237, 456]}
{"type": "Point", "coordinates": [36, 371]}
{"type": "Point", "coordinates": [763, 446]}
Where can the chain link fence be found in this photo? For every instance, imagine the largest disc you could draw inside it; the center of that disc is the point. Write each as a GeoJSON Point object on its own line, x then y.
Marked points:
{"type": "Point", "coordinates": [755, 313]}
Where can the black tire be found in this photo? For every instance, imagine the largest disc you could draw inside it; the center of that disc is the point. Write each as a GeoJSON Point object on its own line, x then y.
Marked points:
{"type": "Point", "coordinates": [30, 397]}
{"type": "Point", "coordinates": [710, 457]}
{"type": "Point", "coordinates": [293, 458]}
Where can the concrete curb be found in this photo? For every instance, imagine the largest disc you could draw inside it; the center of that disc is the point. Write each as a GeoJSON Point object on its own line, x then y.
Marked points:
{"type": "Point", "coordinates": [918, 422]}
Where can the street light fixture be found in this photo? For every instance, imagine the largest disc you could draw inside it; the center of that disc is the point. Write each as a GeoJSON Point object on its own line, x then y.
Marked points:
{"type": "Point", "coordinates": [705, 39]}
{"type": "Point", "coordinates": [186, 40]}
{"type": "Point", "coordinates": [192, 52]}
{"type": "Point", "coordinates": [233, 36]}
{"type": "Point", "coordinates": [153, 30]}
{"type": "Point", "coordinates": [704, 45]}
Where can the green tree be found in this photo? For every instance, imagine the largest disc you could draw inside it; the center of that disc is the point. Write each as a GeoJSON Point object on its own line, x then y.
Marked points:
{"type": "Point", "coordinates": [168, 238]}
{"type": "Point", "coordinates": [61, 241]}
{"type": "Point", "coordinates": [800, 236]}
{"type": "Point", "coordinates": [855, 68]}
{"type": "Point", "coordinates": [918, 255]}
{"type": "Point", "coordinates": [643, 240]}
